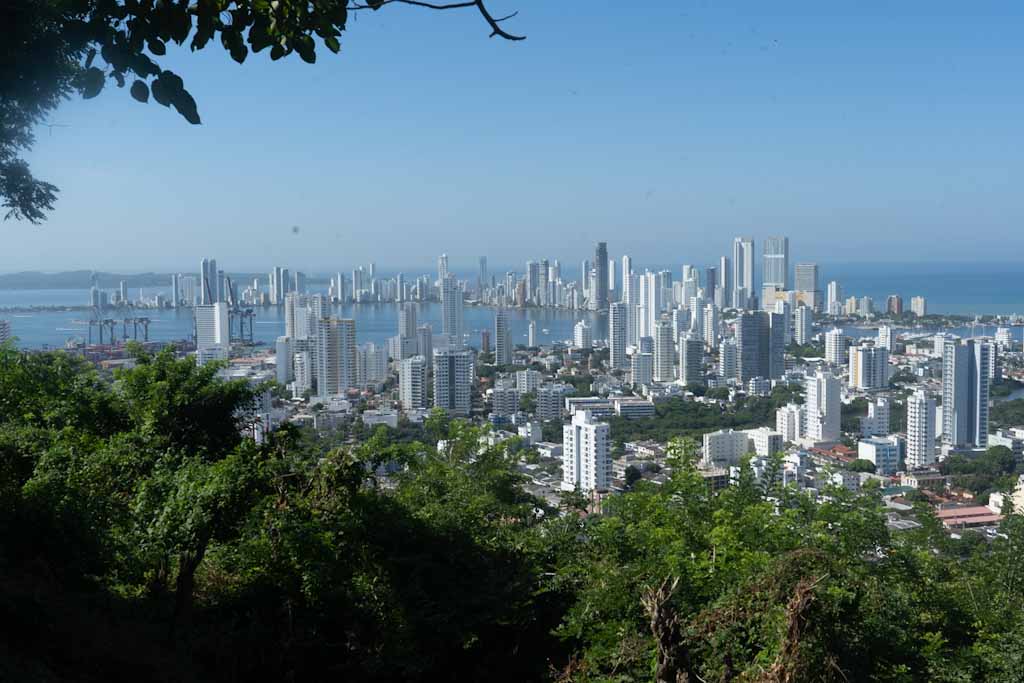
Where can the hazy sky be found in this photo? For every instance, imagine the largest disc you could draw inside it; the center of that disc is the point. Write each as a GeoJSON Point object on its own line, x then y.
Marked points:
{"type": "Point", "coordinates": [662, 127]}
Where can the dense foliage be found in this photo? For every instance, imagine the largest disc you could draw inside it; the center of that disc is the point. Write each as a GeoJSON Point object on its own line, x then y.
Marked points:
{"type": "Point", "coordinates": [677, 417]}
{"type": "Point", "coordinates": [1007, 414]}
{"type": "Point", "coordinates": [144, 539]}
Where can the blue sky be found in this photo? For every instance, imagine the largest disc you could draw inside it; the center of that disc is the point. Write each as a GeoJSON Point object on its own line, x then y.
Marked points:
{"type": "Point", "coordinates": [861, 130]}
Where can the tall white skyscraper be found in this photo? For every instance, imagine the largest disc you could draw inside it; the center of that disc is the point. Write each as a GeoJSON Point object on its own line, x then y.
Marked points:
{"type": "Point", "coordinates": [303, 365]}
{"type": "Point", "coordinates": [650, 304]}
{"type": "Point", "coordinates": [886, 339]}
{"type": "Point", "coordinates": [919, 306]}
{"type": "Point", "coordinates": [835, 347]}
{"type": "Point", "coordinates": [743, 271]}
{"type": "Point", "coordinates": [586, 454]}
{"type": "Point", "coordinates": [723, 293]}
{"type": "Point", "coordinates": [453, 380]}
{"type": "Point", "coordinates": [965, 393]}
{"type": "Point", "coordinates": [728, 359]}
{"type": "Point", "coordinates": [451, 310]}
{"type": "Point", "coordinates": [710, 321]}
{"type": "Point", "coordinates": [335, 356]}
{"type": "Point", "coordinates": [803, 325]}
{"type": "Point", "coordinates": [412, 383]}
{"type": "Point", "coordinates": [531, 334]}
{"type": "Point", "coordinates": [502, 339]}
{"type": "Point", "coordinates": [213, 332]}
{"type": "Point", "coordinates": [294, 323]}
{"type": "Point", "coordinates": [776, 263]}
{"type": "Point", "coordinates": [834, 300]}
{"type": "Point", "coordinates": [283, 357]}
{"type": "Point", "coordinates": [407, 320]}
{"type": "Point", "coordinates": [582, 336]}
{"type": "Point", "coordinates": [823, 406]}
{"type": "Point", "coordinates": [442, 268]}
{"type": "Point", "coordinates": [920, 430]}
{"type": "Point", "coordinates": [691, 360]}
{"type": "Point", "coordinates": [617, 322]}
{"type": "Point", "coordinates": [664, 352]}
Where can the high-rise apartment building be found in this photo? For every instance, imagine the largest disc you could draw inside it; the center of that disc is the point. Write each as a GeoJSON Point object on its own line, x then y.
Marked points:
{"type": "Point", "coordinates": [650, 304]}
{"type": "Point", "coordinates": [807, 285]}
{"type": "Point", "coordinates": [335, 356]}
{"type": "Point", "coordinates": [412, 383]}
{"type": "Point", "coordinates": [600, 294]}
{"type": "Point", "coordinates": [822, 408]}
{"type": "Point", "coordinates": [582, 335]}
{"type": "Point", "coordinates": [442, 268]}
{"type": "Point", "coordinates": [803, 325]}
{"type": "Point", "coordinates": [451, 310]}
{"type": "Point", "coordinates": [284, 369]}
{"type": "Point", "coordinates": [743, 271]}
{"type": "Point", "coordinates": [586, 454]}
{"type": "Point", "coordinates": [894, 304]}
{"type": "Point", "coordinates": [723, 298]}
{"type": "Point", "coordinates": [502, 339]}
{"type": "Point", "coordinates": [453, 380]}
{"type": "Point", "coordinates": [776, 263]}
{"type": "Point", "coordinates": [617, 334]}
{"type": "Point", "coordinates": [835, 347]}
{"type": "Point", "coordinates": [965, 393]}
{"type": "Point", "coordinates": [834, 299]}
{"type": "Point", "coordinates": [728, 359]}
{"type": "Point", "coordinates": [691, 360]}
{"type": "Point", "coordinates": [760, 342]}
{"type": "Point", "coordinates": [213, 331]}
{"type": "Point", "coordinates": [869, 367]}
{"type": "Point", "coordinates": [641, 368]}
{"type": "Point", "coordinates": [921, 429]}
{"type": "Point", "coordinates": [918, 306]}
{"type": "Point", "coordinates": [664, 352]}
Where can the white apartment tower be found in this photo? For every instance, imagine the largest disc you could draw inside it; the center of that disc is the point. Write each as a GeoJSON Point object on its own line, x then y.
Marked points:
{"type": "Point", "coordinates": [451, 308]}
{"type": "Point", "coordinates": [920, 430]}
{"type": "Point", "coordinates": [776, 263]}
{"type": "Point", "coordinates": [835, 347]}
{"type": "Point", "coordinates": [336, 356]}
{"type": "Point", "coordinates": [823, 406]}
{"type": "Point", "coordinates": [586, 454]}
{"type": "Point", "coordinates": [213, 337]}
{"type": "Point", "coordinates": [412, 383]}
{"type": "Point", "coordinates": [582, 336]}
{"type": "Point", "coordinates": [803, 325]}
